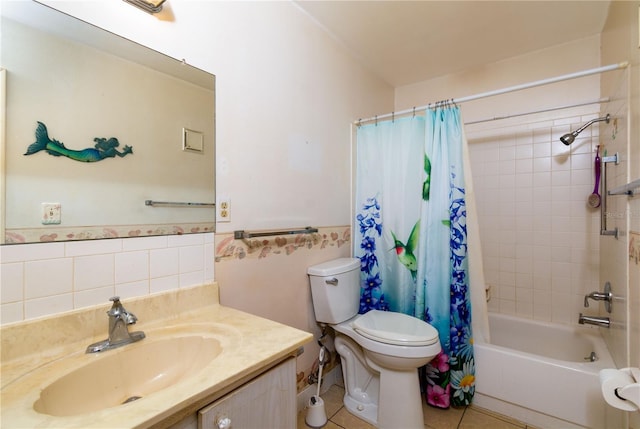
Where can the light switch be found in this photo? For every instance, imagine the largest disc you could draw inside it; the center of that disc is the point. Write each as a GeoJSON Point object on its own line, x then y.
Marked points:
{"type": "Point", "coordinates": [51, 213]}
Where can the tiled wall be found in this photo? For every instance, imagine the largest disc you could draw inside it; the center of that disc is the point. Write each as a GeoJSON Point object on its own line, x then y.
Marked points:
{"type": "Point", "coordinates": [540, 241]}
{"type": "Point", "coordinates": [48, 278]}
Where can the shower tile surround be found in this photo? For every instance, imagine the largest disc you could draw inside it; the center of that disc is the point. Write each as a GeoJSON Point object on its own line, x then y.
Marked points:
{"type": "Point", "coordinates": [540, 240]}
{"type": "Point", "coordinates": [44, 279]}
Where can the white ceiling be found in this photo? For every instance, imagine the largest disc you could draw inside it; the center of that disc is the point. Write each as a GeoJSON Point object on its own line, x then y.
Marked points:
{"type": "Point", "coordinates": [405, 42]}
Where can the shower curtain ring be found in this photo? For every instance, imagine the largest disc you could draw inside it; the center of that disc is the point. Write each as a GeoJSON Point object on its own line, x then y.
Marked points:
{"type": "Point", "coordinates": [414, 111]}
{"type": "Point", "coordinates": [393, 116]}
{"type": "Point", "coordinates": [376, 120]}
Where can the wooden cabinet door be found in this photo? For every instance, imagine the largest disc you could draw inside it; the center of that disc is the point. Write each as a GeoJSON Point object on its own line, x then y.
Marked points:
{"type": "Point", "coordinates": [268, 401]}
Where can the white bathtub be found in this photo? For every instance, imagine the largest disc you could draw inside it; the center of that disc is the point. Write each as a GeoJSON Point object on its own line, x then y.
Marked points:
{"type": "Point", "coordinates": [536, 372]}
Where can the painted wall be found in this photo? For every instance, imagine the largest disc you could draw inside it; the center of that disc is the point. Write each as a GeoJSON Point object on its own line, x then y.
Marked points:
{"type": "Point", "coordinates": [286, 95]}
{"type": "Point", "coordinates": [103, 96]}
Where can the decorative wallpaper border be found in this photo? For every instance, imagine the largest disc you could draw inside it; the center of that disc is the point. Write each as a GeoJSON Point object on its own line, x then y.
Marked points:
{"type": "Point", "coordinates": [53, 234]}
{"type": "Point", "coordinates": [229, 248]}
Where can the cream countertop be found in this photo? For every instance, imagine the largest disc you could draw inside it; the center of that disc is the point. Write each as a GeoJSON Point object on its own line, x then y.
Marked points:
{"type": "Point", "coordinates": [36, 353]}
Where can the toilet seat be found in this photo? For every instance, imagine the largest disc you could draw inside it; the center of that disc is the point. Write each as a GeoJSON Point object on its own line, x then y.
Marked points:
{"type": "Point", "coordinates": [395, 329]}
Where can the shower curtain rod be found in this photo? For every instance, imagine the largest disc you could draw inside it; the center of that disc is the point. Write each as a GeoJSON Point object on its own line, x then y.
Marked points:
{"type": "Point", "coordinates": [514, 88]}
{"type": "Point", "coordinates": [533, 112]}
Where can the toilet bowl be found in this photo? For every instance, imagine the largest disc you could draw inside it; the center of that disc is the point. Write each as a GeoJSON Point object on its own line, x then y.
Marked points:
{"type": "Point", "coordinates": [379, 351]}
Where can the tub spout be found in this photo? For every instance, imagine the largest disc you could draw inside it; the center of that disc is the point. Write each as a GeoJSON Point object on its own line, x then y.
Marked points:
{"type": "Point", "coordinates": [594, 320]}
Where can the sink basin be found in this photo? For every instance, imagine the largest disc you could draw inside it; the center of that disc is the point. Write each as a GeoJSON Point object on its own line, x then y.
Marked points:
{"type": "Point", "coordinates": [124, 375]}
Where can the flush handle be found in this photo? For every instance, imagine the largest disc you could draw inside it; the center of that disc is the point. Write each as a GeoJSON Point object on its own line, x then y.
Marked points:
{"type": "Point", "coordinates": [332, 282]}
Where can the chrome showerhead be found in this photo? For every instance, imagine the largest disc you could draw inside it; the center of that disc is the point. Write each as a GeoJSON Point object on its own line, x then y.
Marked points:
{"type": "Point", "coordinates": [567, 139]}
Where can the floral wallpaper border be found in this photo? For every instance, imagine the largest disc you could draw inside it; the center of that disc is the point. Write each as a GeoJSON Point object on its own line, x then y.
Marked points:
{"type": "Point", "coordinates": [49, 235]}
{"type": "Point", "coordinates": [229, 248]}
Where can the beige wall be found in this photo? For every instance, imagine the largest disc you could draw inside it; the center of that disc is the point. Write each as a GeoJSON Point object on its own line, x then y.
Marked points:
{"type": "Point", "coordinates": [286, 95]}
{"type": "Point", "coordinates": [107, 97]}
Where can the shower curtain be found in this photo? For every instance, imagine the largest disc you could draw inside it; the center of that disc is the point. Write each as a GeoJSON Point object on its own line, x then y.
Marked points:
{"type": "Point", "coordinates": [411, 237]}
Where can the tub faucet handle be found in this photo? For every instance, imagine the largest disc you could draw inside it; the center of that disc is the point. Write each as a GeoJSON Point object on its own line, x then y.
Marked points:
{"type": "Point", "coordinates": [606, 296]}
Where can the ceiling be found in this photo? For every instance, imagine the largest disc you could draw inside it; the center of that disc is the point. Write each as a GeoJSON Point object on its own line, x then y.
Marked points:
{"type": "Point", "coordinates": [405, 42]}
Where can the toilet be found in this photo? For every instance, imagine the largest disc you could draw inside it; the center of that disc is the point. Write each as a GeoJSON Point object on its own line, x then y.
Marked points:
{"type": "Point", "coordinates": [380, 351]}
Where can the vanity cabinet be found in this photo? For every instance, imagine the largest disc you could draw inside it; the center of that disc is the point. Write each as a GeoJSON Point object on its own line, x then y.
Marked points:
{"type": "Point", "coordinates": [268, 401]}
{"type": "Point", "coordinates": [264, 402]}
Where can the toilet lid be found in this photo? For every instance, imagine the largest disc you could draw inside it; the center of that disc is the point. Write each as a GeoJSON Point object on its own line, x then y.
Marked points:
{"type": "Point", "coordinates": [395, 328]}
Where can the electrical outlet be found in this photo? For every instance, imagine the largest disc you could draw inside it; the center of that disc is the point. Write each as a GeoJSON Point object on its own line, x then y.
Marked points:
{"type": "Point", "coordinates": [51, 213]}
{"type": "Point", "coordinates": [224, 209]}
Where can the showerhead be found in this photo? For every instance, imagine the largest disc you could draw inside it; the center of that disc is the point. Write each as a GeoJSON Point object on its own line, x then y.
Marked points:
{"type": "Point", "coordinates": [567, 139]}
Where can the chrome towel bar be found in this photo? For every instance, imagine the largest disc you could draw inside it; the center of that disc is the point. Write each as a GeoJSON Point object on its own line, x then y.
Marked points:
{"type": "Point", "coordinates": [628, 189]}
{"type": "Point", "coordinates": [603, 206]}
{"type": "Point", "coordinates": [242, 234]}
{"type": "Point", "coordinates": [173, 203]}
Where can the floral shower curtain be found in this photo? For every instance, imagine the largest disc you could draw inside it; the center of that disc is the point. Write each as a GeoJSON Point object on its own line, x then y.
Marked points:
{"type": "Point", "coordinates": [411, 237]}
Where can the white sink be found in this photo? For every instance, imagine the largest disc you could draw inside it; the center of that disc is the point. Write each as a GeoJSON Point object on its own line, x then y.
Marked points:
{"type": "Point", "coordinates": [129, 373]}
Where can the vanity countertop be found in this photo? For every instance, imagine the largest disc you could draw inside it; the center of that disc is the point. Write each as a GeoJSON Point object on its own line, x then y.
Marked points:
{"type": "Point", "coordinates": [36, 353]}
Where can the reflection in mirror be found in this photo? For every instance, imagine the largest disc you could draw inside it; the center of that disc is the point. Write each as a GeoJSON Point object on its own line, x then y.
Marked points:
{"type": "Point", "coordinates": [95, 126]}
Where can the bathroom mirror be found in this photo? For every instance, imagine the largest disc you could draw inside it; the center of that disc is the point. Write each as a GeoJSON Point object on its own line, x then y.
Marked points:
{"type": "Point", "coordinates": [97, 126]}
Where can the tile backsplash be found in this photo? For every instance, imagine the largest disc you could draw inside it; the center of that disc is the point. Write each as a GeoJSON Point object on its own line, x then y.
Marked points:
{"type": "Point", "coordinates": [46, 278]}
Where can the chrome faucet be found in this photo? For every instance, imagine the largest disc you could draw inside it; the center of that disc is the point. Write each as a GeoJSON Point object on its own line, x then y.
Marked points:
{"type": "Point", "coordinates": [606, 296]}
{"type": "Point", "coordinates": [119, 335]}
{"type": "Point", "coordinates": [594, 320]}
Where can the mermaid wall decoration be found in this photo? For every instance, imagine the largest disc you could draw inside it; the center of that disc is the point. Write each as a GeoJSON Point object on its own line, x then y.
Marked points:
{"type": "Point", "coordinates": [103, 149]}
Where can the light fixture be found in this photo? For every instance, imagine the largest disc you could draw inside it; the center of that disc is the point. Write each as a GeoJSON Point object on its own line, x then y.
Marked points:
{"type": "Point", "coordinates": [150, 6]}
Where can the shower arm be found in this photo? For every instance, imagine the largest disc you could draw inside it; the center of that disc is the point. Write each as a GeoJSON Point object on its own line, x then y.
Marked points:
{"type": "Point", "coordinates": [591, 122]}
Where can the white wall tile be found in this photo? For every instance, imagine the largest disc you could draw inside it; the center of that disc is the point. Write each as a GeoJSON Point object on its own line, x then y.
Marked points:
{"type": "Point", "coordinates": [48, 277]}
{"type": "Point", "coordinates": [131, 266]}
{"type": "Point", "coordinates": [86, 298]}
{"type": "Point", "coordinates": [191, 259]}
{"type": "Point", "coordinates": [133, 289]}
{"type": "Point", "coordinates": [191, 278]}
{"type": "Point", "coordinates": [11, 312]}
{"type": "Point", "coordinates": [144, 243]}
{"type": "Point", "coordinates": [48, 305]}
{"type": "Point", "coordinates": [209, 256]}
{"type": "Point", "coordinates": [164, 262]}
{"type": "Point", "coordinates": [94, 271]}
{"type": "Point", "coordinates": [162, 284]}
{"type": "Point", "coordinates": [38, 280]}
{"type": "Point", "coordinates": [92, 247]}
{"type": "Point", "coordinates": [12, 282]}
{"type": "Point", "coordinates": [185, 240]}
{"type": "Point", "coordinates": [31, 252]}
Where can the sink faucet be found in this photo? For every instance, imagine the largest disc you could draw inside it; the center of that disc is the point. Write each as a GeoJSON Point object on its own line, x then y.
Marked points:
{"type": "Point", "coordinates": [119, 335]}
{"type": "Point", "coordinates": [594, 320]}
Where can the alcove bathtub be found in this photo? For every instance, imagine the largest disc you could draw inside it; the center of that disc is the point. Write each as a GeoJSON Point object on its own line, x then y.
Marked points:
{"type": "Point", "coordinates": [541, 373]}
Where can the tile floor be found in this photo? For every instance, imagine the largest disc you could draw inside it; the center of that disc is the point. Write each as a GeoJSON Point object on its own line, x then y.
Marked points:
{"type": "Point", "coordinates": [453, 418]}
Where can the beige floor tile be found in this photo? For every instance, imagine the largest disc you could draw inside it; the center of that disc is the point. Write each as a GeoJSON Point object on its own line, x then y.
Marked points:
{"type": "Point", "coordinates": [333, 399]}
{"type": "Point", "coordinates": [345, 419]}
{"type": "Point", "coordinates": [437, 418]}
{"type": "Point", "coordinates": [303, 425]}
{"type": "Point", "coordinates": [501, 417]}
{"type": "Point", "coordinates": [473, 419]}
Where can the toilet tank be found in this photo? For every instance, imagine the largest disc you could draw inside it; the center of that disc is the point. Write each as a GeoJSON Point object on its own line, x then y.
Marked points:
{"type": "Point", "coordinates": [335, 289]}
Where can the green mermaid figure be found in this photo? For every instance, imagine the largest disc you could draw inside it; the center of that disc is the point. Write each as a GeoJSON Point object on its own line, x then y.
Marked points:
{"type": "Point", "coordinates": [104, 148]}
